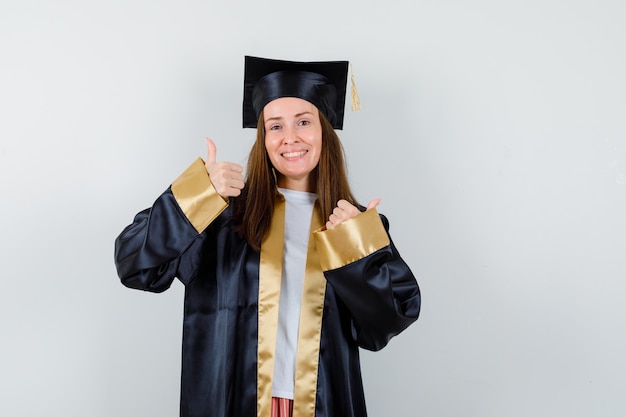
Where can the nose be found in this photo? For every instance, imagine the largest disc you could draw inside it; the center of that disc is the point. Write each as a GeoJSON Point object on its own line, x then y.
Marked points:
{"type": "Point", "coordinates": [290, 136]}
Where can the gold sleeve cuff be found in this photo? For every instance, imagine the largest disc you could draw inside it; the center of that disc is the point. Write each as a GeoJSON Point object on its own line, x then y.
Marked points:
{"type": "Point", "coordinates": [197, 197]}
{"type": "Point", "coordinates": [350, 241]}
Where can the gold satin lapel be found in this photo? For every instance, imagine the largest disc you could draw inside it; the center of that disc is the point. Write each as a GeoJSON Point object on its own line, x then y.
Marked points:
{"type": "Point", "coordinates": [312, 309]}
{"type": "Point", "coordinates": [270, 274]}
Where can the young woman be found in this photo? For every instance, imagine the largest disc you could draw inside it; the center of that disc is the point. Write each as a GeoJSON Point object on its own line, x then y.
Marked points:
{"type": "Point", "coordinates": [285, 274]}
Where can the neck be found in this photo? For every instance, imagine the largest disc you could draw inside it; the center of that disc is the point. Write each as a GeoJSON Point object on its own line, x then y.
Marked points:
{"type": "Point", "coordinates": [306, 184]}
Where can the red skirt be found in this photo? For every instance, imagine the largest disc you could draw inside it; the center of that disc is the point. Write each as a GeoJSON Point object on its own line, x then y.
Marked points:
{"type": "Point", "coordinates": [282, 407]}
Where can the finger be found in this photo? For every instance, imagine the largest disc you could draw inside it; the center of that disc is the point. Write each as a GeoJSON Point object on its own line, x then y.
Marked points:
{"type": "Point", "coordinates": [236, 183]}
{"type": "Point", "coordinates": [234, 192]}
{"type": "Point", "coordinates": [338, 216]}
{"type": "Point", "coordinates": [234, 167]}
{"type": "Point", "coordinates": [225, 169]}
{"type": "Point", "coordinates": [231, 174]}
{"type": "Point", "coordinates": [348, 208]}
{"type": "Point", "coordinates": [337, 211]}
{"type": "Point", "coordinates": [372, 204]}
{"type": "Point", "coordinates": [211, 151]}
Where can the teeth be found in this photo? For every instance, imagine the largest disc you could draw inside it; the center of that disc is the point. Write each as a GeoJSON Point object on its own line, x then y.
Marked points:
{"type": "Point", "coordinates": [293, 154]}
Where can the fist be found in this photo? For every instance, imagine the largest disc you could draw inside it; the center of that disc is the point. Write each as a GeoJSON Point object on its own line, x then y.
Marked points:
{"type": "Point", "coordinates": [345, 211]}
{"type": "Point", "coordinates": [226, 177]}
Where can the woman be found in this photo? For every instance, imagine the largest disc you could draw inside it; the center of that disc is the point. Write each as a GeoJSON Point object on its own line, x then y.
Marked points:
{"type": "Point", "coordinates": [285, 274]}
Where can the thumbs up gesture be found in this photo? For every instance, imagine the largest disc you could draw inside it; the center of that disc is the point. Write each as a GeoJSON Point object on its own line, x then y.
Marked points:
{"type": "Point", "coordinates": [345, 211]}
{"type": "Point", "coordinates": [226, 177]}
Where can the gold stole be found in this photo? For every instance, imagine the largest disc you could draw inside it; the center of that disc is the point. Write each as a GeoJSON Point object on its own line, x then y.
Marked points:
{"type": "Point", "coordinates": [313, 292]}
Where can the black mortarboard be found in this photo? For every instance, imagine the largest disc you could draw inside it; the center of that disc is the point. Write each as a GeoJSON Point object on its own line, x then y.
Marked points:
{"type": "Point", "coordinates": [321, 83]}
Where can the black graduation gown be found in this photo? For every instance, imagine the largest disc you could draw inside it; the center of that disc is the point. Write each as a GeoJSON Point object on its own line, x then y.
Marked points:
{"type": "Point", "coordinates": [358, 292]}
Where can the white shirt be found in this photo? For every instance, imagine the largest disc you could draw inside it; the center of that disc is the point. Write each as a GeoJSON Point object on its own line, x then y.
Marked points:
{"type": "Point", "coordinates": [298, 213]}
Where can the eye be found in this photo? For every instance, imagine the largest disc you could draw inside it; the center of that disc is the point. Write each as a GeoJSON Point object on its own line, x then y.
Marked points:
{"type": "Point", "coordinates": [304, 123]}
{"type": "Point", "coordinates": [274, 127]}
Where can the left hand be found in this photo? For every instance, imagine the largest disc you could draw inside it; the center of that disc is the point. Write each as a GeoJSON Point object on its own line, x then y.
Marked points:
{"type": "Point", "coordinates": [345, 211]}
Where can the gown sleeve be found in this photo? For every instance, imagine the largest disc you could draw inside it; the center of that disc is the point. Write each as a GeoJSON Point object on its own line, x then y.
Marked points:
{"type": "Point", "coordinates": [148, 251]}
{"type": "Point", "coordinates": [366, 272]}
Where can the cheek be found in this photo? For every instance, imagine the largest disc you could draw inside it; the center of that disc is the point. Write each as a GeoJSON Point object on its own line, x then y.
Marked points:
{"type": "Point", "coordinates": [270, 146]}
{"type": "Point", "coordinates": [318, 157]}
{"type": "Point", "coordinates": [270, 149]}
{"type": "Point", "coordinates": [318, 148]}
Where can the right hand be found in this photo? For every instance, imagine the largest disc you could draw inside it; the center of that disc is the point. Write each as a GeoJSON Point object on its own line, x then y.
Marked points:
{"type": "Point", "coordinates": [226, 177]}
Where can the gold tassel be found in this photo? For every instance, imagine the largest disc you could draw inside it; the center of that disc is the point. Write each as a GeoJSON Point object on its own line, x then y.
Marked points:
{"type": "Point", "coordinates": [356, 102]}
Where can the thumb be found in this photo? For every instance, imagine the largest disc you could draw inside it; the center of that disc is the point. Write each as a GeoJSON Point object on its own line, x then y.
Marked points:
{"type": "Point", "coordinates": [211, 151]}
{"type": "Point", "coordinates": [372, 204]}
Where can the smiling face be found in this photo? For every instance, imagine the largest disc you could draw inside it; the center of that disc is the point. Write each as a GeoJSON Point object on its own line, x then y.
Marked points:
{"type": "Point", "coordinates": [293, 140]}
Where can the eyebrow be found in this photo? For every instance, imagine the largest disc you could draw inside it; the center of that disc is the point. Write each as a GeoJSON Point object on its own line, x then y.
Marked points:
{"type": "Point", "coordinates": [281, 117]}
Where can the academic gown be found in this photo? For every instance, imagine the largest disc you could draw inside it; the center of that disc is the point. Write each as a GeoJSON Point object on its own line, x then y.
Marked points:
{"type": "Point", "coordinates": [358, 292]}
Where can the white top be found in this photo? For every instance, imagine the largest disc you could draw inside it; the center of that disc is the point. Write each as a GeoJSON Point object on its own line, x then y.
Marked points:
{"type": "Point", "coordinates": [298, 213]}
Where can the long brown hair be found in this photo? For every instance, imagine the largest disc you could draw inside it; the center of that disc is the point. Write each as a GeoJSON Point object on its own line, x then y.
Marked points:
{"type": "Point", "coordinates": [253, 209]}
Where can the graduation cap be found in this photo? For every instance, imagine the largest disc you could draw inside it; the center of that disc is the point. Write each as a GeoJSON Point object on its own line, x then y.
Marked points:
{"type": "Point", "coordinates": [321, 83]}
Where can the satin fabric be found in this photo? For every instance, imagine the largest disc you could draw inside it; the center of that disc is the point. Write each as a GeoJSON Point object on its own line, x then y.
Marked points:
{"type": "Point", "coordinates": [322, 83]}
{"type": "Point", "coordinates": [309, 86]}
{"type": "Point", "coordinates": [367, 302]}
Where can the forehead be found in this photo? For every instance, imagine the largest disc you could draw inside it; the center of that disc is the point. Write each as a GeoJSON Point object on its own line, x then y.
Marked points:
{"type": "Point", "coordinates": [288, 106]}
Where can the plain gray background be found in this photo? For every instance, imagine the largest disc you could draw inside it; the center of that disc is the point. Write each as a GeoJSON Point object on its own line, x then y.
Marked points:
{"type": "Point", "coordinates": [494, 131]}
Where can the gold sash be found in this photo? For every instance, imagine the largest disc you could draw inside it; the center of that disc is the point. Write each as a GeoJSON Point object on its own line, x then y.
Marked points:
{"type": "Point", "coordinates": [313, 292]}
